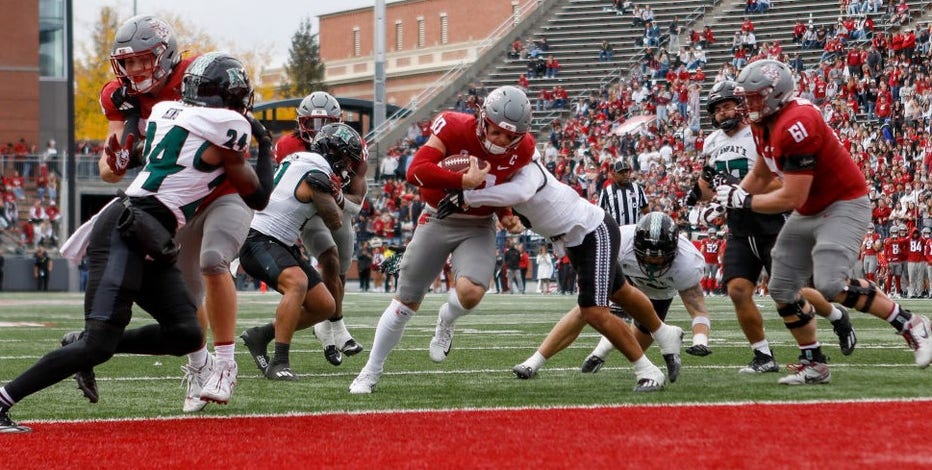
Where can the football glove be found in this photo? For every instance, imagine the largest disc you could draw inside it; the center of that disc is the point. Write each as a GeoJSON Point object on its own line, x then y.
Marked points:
{"type": "Point", "coordinates": [451, 203]}
{"type": "Point", "coordinates": [708, 174]}
{"type": "Point", "coordinates": [693, 196]}
{"type": "Point", "coordinates": [711, 213]}
{"type": "Point", "coordinates": [733, 196]}
{"type": "Point", "coordinates": [118, 156]}
{"type": "Point", "coordinates": [126, 103]}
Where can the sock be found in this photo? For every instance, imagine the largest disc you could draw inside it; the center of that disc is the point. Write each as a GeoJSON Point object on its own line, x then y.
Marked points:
{"type": "Point", "coordinates": [281, 353]}
{"type": "Point", "coordinates": [6, 401]}
{"type": "Point", "coordinates": [603, 348]}
{"type": "Point", "coordinates": [324, 333]}
{"type": "Point", "coordinates": [700, 338]}
{"type": "Point", "coordinates": [642, 365]}
{"type": "Point", "coordinates": [835, 315]}
{"type": "Point", "coordinates": [198, 358]}
{"type": "Point", "coordinates": [763, 346]}
{"type": "Point", "coordinates": [899, 318]}
{"type": "Point", "coordinates": [224, 351]}
{"type": "Point", "coordinates": [387, 335]}
{"type": "Point", "coordinates": [454, 309]}
{"type": "Point", "coordinates": [339, 332]}
{"type": "Point", "coordinates": [536, 361]}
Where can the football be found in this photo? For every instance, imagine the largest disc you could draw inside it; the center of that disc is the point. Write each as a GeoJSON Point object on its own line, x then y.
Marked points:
{"type": "Point", "coordinates": [459, 163]}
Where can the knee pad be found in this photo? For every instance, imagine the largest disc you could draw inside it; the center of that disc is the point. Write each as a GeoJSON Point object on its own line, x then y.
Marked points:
{"type": "Point", "coordinates": [853, 292]}
{"type": "Point", "coordinates": [796, 308]}
{"type": "Point", "coordinates": [213, 263]}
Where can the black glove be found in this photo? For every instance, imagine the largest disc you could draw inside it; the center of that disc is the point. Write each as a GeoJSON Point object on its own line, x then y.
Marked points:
{"type": "Point", "coordinates": [451, 203]}
{"type": "Point", "coordinates": [127, 103]}
{"type": "Point", "coordinates": [262, 135]}
{"type": "Point", "coordinates": [693, 196]}
{"type": "Point", "coordinates": [708, 175]}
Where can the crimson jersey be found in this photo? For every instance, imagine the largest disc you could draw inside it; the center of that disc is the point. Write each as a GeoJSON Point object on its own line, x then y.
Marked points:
{"type": "Point", "coordinates": [798, 141]}
{"type": "Point", "coordinates": [915, 248]}
{"type": "Point", "coordinates": [894, 249]}
{"type": "Point", "coordinates": [170, 92]}
{"type": "Point", "coordinates": [928, 249]}
{"type": "Point", "coordinates": [457, 131]}
{"type": "Point", "coordinates": [710, 248]}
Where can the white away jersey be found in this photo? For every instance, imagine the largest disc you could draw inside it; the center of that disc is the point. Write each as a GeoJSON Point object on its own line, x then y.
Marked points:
{"type": "Point", "coordinates": [285, 215]}
{"type": "Point", "coordinates": [553, 208]}
{"type": "Point", "coordinates": [734, 156]}
{"type": "Point", "coordinates": [176, 136]}
{"type": "Point", "coordinates": [686, 271]}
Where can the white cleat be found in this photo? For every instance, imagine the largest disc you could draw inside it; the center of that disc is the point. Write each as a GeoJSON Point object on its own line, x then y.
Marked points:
{"type": "Point", "coordinates": [196, 378]}
{"type": "Point", "coordinates": [919, 337]}
{"type": "Point", "coordinates": [364, 383]}
{"type": "Point", "coordinates": [650, 381]}
{"type": "Point", "coordinates": [219, 386]}
{"type": "Point", "coordinates": [442, 341]}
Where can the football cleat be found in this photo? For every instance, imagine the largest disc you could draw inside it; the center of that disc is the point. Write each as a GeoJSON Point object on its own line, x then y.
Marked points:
{"type": "Point", "coordinates": [351, 347]}
{"type": "Point", "coordinates": [650, 381]}
{"type": "Point", "coordinates": [282, 372]}
{"type": "Point", "coordinates": [847, 340]}
{"type": "Point", "coordinates": [87, 381]}
{"type": "Point", "coordinates": [592, 364]}
{"type": "Point", "coordinates": [807, 373]}
{"type": "Point", "coordinates": [257, 349]}
{"type": "Point", "coordinates": [364, 383]}
{"type": "Point", "coordinates": [699, 350]}
{"type": "Point", "coordinates": [523, 372]}
{"type": "Point", "coordinates": [761, 363]}
{"type": "Point", "coordinates": [7, 425]}
{"type": "Point", "coordinates": [219, 386]}
{"type": "Point", "coordinates": [918, 335]}
{"type": "Point", "coordinates": [673, 366]}
{"type": "Point", "coordinates": [333, 355]}
{"type": "Point", "coordinates": [194, 378]}
{"type": "Point", "coordinates": [442, 341]}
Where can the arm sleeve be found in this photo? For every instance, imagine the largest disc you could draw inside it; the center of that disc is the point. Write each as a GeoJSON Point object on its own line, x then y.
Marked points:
{"type": "Point", "coordinates": [519, 189]}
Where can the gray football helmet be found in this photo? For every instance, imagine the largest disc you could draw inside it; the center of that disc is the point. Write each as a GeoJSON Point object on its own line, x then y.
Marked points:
{"type": "Point", "coordinates": [315, 111]}
{"type": "Point", "coordinates": [506, 108]}
{"type": "Point", "coordinates": [143, 37]}
{"type": "Point", "coordinates": [721, 92]}
{"type": "Point", "coordinates": [766, 85]}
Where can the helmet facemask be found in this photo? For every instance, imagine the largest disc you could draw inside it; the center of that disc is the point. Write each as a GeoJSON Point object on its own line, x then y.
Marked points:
{"type": "Point", "coordinates": [485, 126]}
{"type": "Point", "coordinates": [309, 125]}
{"type": "Point", "coordinates": [144, 79]}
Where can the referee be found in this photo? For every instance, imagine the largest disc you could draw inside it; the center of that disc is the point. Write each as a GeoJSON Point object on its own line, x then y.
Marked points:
{"type": "Point", "coordinates": [624, 199]}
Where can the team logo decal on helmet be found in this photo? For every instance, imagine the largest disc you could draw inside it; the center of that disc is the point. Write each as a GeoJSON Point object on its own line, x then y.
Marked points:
{"type": "Point", "coordinates": [656, 238]}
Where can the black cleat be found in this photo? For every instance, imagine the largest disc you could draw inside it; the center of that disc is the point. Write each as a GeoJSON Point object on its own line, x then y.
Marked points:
{"type": "Point", "coordinates": [333, 355]}
{"type": "Point", "coordinates": [352, 348]}
{"type": "Point", "coordinates": [699, 350]}
{"type": "Point", "coordinates": [7, 425]}
{"type": "Point", "coordinates": [592, 364]}
{"type": "Point", "coordinates": [281, 372]}
{"type": "Point", "coordinates": [673, 366]}
{"type": "Point", "coordinates": [523, 372]}
{"type": "Point", "coordinates": [86, 380]}
{"type": "Point", "coordinates": [847, 340]}
{"type": "Point", "coordinates": [762, 363]}
{"type": "Point", "coordinates": [257, 349]}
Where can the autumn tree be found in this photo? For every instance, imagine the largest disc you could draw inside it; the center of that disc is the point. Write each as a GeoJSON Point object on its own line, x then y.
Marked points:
{"type": "Point", "coordinates": [304, 70]}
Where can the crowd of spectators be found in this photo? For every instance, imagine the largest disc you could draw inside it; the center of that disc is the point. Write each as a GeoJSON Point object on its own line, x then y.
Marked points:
{"type": "Point", "coordinates": [30, 179]}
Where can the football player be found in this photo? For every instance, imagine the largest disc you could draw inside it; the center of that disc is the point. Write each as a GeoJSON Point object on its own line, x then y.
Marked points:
{"type": "Point", "coordinates": [590, 238]}
{"type": "Point", "coordinates": [149, 69]}
{"type": "Point", "coordinates": [308, 186]}
{"type": "Point", "coordinates": [498, 136]}
{"type": "Point", "coordinates": [190, 144]}
{"type": "Point", "coordinates": [333, 249]}
{"type": "Point", "coordinates": [825, 191]}
{"type": "Point", "coordinates": [730, 153]}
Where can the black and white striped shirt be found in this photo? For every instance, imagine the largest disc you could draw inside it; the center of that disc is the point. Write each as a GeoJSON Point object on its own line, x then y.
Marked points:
{"type": "Point", "coordinates": [623, 203]}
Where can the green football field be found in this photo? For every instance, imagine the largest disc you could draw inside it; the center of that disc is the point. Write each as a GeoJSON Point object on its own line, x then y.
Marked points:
{"type": "Point", "coordinates": [504, 331]}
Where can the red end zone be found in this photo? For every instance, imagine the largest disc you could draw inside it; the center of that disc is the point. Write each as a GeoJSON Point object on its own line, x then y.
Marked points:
{"type": "Point", "coordinates": [808, 435]}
